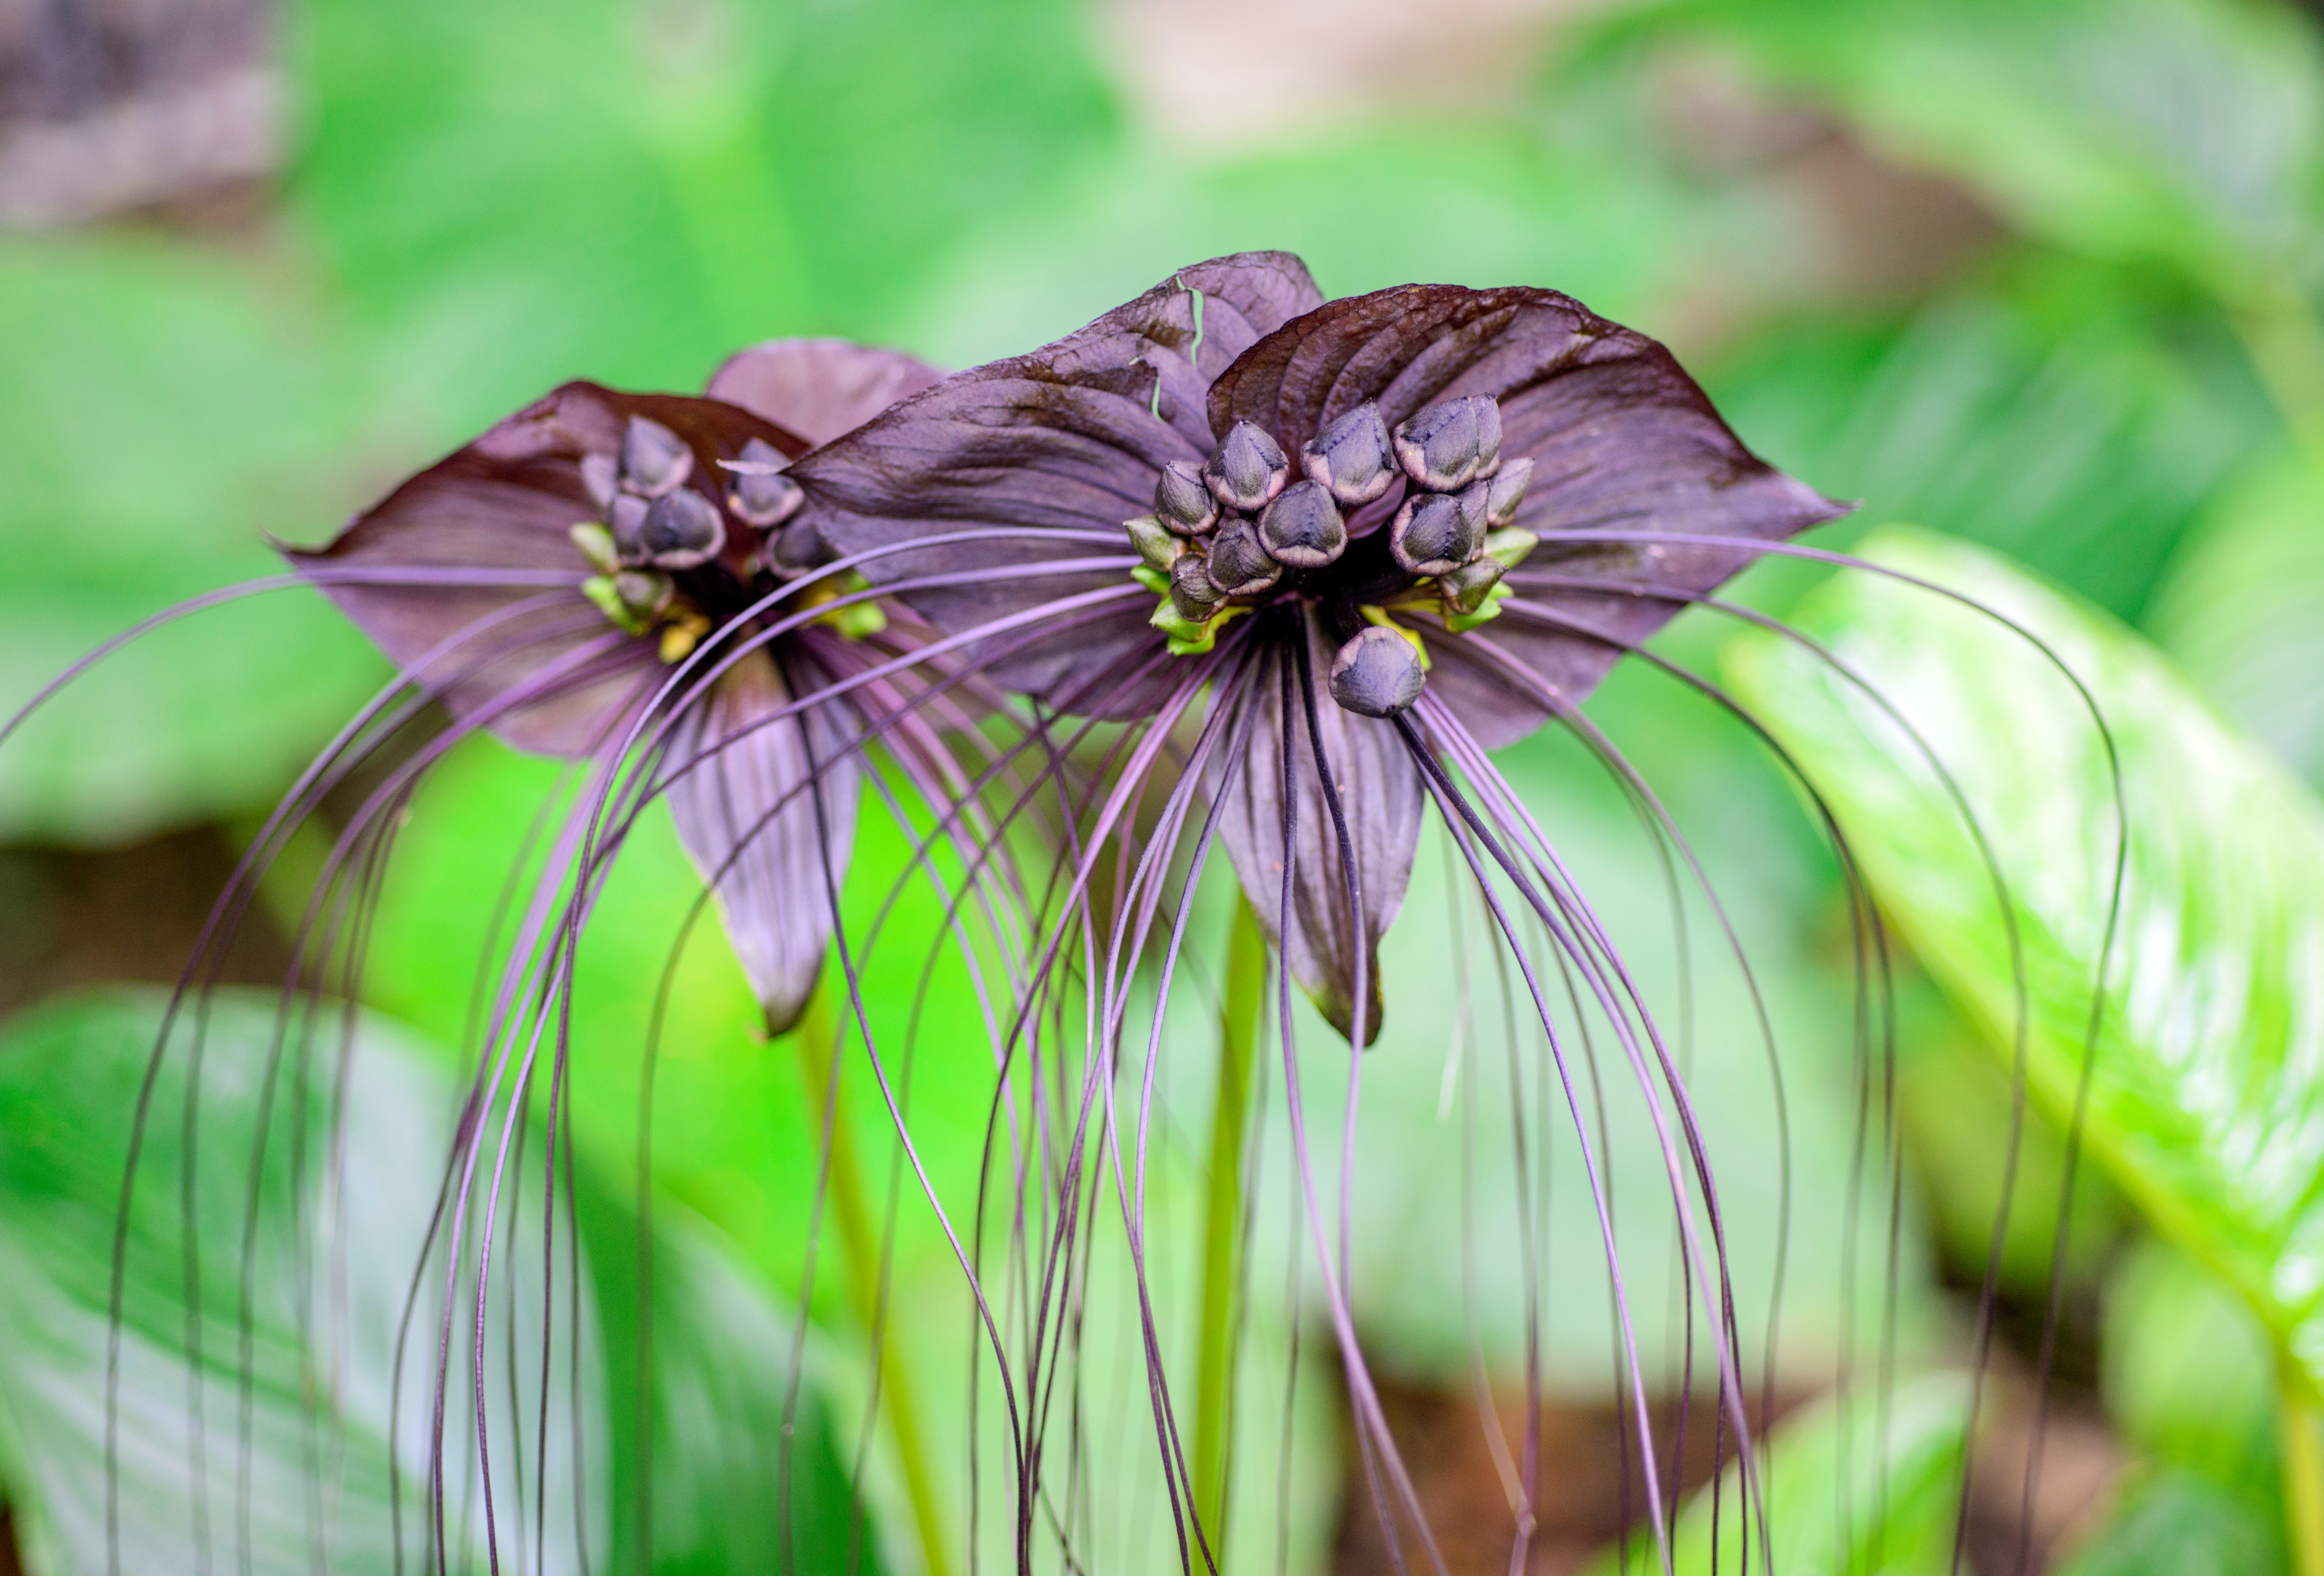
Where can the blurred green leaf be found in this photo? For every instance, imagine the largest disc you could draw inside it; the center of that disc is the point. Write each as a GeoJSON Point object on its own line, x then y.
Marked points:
{"type": "Point", "coordinates": [2062, 414]}
{"type": "Point", "coordinates": [2179, 1524]}
{"type": "Point", "coordinates": [629, 190]}
{"type": "Point", "coordinates": [2203, 1103]}
{"type": "Point", "coordinates": [744, 1471]}
{"type": "Point", "coordinates": [273, 1448]}
{"type": "Point", "coordinates": [2242, 610]}
{"type": "Point", "coordinates": [2189, 133]}
{"type": "Point", "coordinates": [160, 409]}
{"type": "Point", "coordinates": [2187, 1372]}
{"type": "Point", "coordinates": [1448, 1220]}
{"type": "Point", "coordinates": [734, 1139]}
{"type": "Point", "coordinates": [1952, 1102]}
{"type": "Point", "coordinates": [1864, 1485]}
{"type": "Point", "coordinates": [303, 1409]}
{"type": "Point", "coordinates": [733, 1135]}
{"type": "Point", "coordinates": [1481, 202]}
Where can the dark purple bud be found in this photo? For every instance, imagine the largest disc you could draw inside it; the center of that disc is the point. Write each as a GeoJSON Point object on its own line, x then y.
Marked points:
{"type": "Point", "coordinates": [601, 476]}
{"type": "Point", "coordinates": [1464, 588]}
{"type": "Point", "coordinates": [642, 592]}
{"type": "Point", "coordinates": [1182, 502]}
{"type": "Point", "coordinates": [1488, 434]}
{"type": "Point", "coordinates": [1302, 528]}
{"type": "Point", "coordinates": [1238, 565]}
{"type": "Point", "coordinates": [1191, 591]}
{"type": "Point", "coordinates": [1247, 469]}
{"type": "Point", "coordinates": [1352, 457]}
{"type": "Point", "coordinates": [1507, 491]}
{"type": "Point", "coordinates": [794, 549]}
{"type": "Point", "coordinates": [1378, 674]}
{"type": "Point", "coordinates": [654, 459]}
{"type": "Point", "coordinates": [682, 529]}
{"type": "Point", "coordinates": [757, 491]}
{"type": "Point", "coordinates": [1438, 447]}
{"type": "Point", "coordinates": [1437, 532]}
{"type": "Point", "coordinates": [627, 522]}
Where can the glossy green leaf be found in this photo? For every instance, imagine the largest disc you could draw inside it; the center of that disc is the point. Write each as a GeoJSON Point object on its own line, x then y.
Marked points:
{"type": "Point", "coordinates": [2185, 132]}
{"type": "Point", "coordinates": [2204, 1105]}
{"type": "Point", "coordinates": [1862, 1486]}
{"type": "Point", "coordinates": [160, 409]}
{"type": "Point", "coordinates": [276, 1441]}
{"type": "Point", "coordinates": [2242, 610]}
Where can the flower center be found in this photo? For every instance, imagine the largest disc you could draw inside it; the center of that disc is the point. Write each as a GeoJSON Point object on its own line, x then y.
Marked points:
{"type": "Point", "coordinates": [661, 546]}
{"type": "Point", "coordinates": [1237, 533]}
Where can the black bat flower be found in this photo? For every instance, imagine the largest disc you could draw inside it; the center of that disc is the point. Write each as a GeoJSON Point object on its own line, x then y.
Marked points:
{"type": "Point", "coordinates": [671, 518]}
{"type": "Point", "coordinates": [1469, 503]}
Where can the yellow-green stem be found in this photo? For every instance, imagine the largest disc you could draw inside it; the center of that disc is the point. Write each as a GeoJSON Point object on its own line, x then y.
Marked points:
{"type": "Point", "coordinates": [2302, 1441]}
{"type": "Point", "coordinates": [1239, 1021]}
{"type": "Point", "coordinates": [859, 1246]}
{"type": "Point", "coordinates": [2304, 1472]}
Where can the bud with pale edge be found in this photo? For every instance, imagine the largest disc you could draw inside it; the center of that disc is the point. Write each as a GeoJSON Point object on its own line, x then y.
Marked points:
{"type": "Point", "coordinates": [1378, 674]}
{"type": "Point", "coordinates": [681, 530]}
{"type": "Point", "coordinates": [1247, 469]}
{"type": "Point", "coordinates": [1352, 458]}
{"type": "Point", "coordinates": [654, 459]}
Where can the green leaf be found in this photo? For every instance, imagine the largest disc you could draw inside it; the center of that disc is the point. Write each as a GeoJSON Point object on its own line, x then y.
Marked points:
{"type": "Point", "coordinates": [517, 194]}
{"type": "Point", "coordinates": [1952, 1104]}
{"type": "Point", "coordinates": [2187, 1372]}
{"type": "Point", "coordinates": [295, 1438]}
{"type": "Point", "coordinates": [1864, 1485]}
{"type": "Point", "coordinates": [160, 410]}
{"type": "Point", "coordinates": [2189, 133]}
{"type": "Point", "coordinates": [1438, 1275]}
{"type": "Point", "coordinates": [2063, 413]}
{"type": "Point", "coordinates": [280, 1450]}
{"type": "Point", "coordinates": [741, 1445]}
{"type": "Point", "coordinates": [1483, 201]}
{"type": "Point", "coordinates": [2179, 1524]}
{"type": "Point", "coordinates": [736, 1141]}
{"type": "Point", "coordinates": [2242, 610]}
{"type": "Point", "coordinates": [2203, 1105]}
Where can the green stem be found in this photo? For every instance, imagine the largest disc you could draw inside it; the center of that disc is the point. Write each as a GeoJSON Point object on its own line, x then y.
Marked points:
{"type": "Point", "coordinates": [1239, 1021]}
{"type": "Point", "coordinates": [2297, 1421]}
{"type": "Point", "coordinates": [818, 1041]}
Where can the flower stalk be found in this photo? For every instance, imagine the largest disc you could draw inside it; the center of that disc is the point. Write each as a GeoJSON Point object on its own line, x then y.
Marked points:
{"type": "Point", "coordinates": [1222, 1217]}
{"type": "Point", "coordinates": [2298, 1423]}
{"type": "Point", "coordinates": [818, 1044]}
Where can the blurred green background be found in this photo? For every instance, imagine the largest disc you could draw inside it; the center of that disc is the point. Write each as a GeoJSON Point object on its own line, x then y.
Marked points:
{"type": "Point", "coordinates": [2043, 275]}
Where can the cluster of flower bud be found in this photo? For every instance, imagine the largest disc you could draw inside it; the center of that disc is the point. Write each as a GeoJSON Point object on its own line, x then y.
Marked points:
{"type": "Point", "coordinates": [650, 523]}
{"type": "Point", "coordinates": [1461, 494]}
{"type": "Point", "coordinates": [656, 521]}
{"type": "Point", "coordinates": [1235, 525]}
{"type": "Point", "coordinates": [1454, 532]}
{"type": "Point", "coordinates": [1232, 526]}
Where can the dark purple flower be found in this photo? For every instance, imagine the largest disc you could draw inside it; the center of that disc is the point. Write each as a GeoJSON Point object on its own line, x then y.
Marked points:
{"type": "Point", "coordinates": [1463, 504]}
{"type": "Point", "coordinates": [675, 521]}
